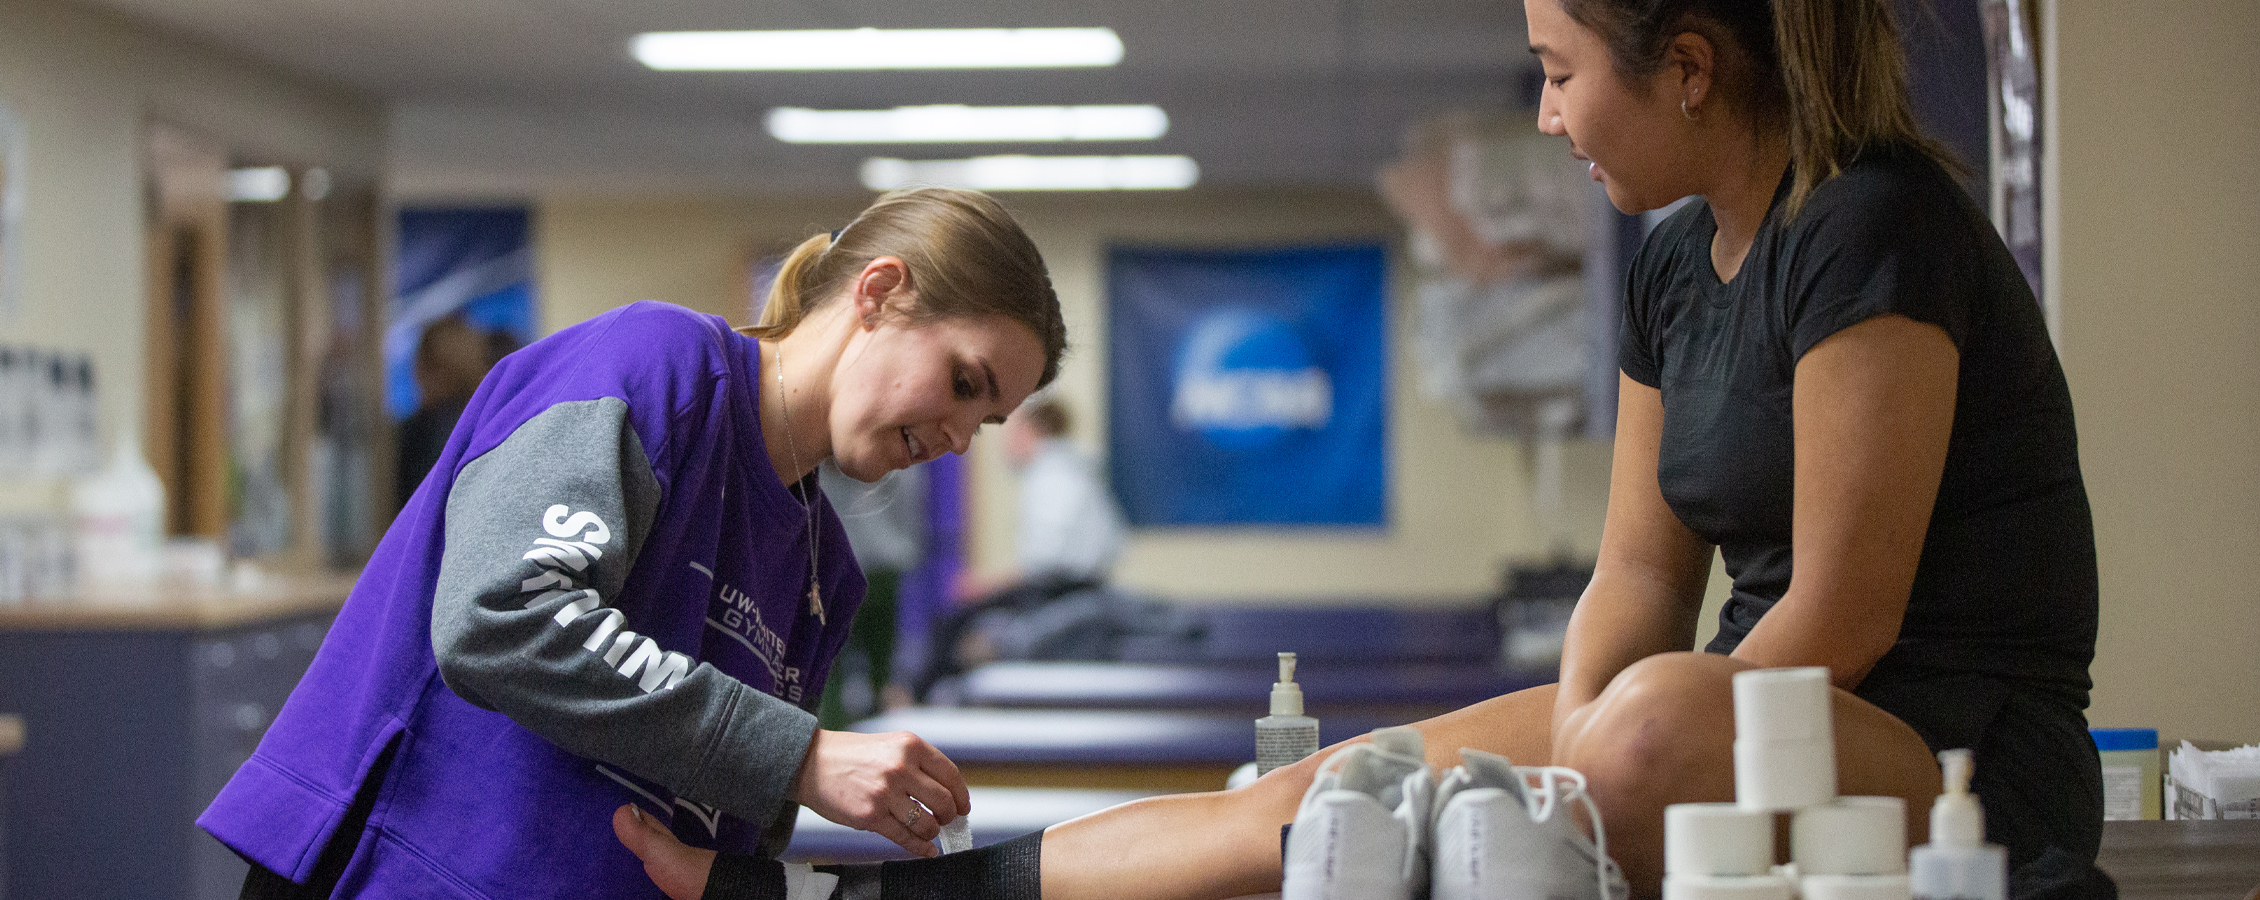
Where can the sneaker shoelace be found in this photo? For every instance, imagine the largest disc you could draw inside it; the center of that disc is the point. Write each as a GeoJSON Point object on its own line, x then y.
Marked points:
{"type": "Point", "coordinates": [1551, 786]}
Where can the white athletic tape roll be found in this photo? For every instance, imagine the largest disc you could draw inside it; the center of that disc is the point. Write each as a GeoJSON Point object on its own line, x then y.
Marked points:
{"type": "Point", "coordinates": [1726, 887]}
{"type": "Point", "coordinates": [1717, 839]}
{"type": "Point", "coordinates": [1779, 776]}
{"type": "Point", "coordinates": [1855, 887]}
{"type": "Point", "coordinates": [1784, 744]}
{"type": "Point", "coordinates": [1850, 836]}
{"type": "Point", "coordinates": [956, 837]}
{"type": "Point", "coordinates": [1781, 704]}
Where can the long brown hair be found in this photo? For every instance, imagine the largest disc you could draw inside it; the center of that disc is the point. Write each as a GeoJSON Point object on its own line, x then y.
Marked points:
{"type": "Point", "coordinates": [1828, 72]}
{"type": "Point", "coordinates": [965, 254]}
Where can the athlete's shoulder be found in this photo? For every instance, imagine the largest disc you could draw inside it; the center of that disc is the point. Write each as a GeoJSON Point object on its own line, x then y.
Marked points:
{"type": "Point", "coordinates": [1889, 190]}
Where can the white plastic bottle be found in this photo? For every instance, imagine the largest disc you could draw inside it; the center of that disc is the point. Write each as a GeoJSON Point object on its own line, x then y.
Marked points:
{"type": "Point", "coordinates": [1286, 735]}
{"type": "Point", "coordinates": [119, 517]}
{"type": "Point", "coordinates": [1958, 864]}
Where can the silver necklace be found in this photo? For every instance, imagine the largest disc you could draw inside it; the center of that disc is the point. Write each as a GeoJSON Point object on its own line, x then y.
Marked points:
{"type": "Point", "coordinates": [807, 501]}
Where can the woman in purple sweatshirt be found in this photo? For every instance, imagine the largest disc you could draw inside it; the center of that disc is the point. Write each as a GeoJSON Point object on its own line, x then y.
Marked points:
{"type": "Point", "coordinates": [620, 584]}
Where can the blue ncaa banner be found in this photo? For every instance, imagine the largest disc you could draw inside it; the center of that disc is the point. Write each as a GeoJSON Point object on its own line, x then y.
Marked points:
{"type": "Point", "coordinates": [1248, 387]}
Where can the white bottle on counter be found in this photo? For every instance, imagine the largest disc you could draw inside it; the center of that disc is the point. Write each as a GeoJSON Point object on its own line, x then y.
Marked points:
{"type": "Point", "coordinates": [1958, 864]}
{"type": "Point", "coordinates": [119, 521]}
{"type": "Point", "coordinates": [1285, 736]}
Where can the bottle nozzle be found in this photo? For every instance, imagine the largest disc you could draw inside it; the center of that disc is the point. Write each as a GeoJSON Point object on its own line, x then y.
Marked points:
{"type": "Point", "coordinates": [1286, 696]}
{"type": "Point", "coordinates": [1956, 819]}
{"type": "Point", "coordinates": [1956, 766]}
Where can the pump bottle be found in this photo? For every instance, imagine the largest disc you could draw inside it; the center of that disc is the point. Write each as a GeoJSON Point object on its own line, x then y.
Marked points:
{"type": "Point", "coordinates": [1286, 735]}
{"type": "Point", "coordinates": [1958, 864]}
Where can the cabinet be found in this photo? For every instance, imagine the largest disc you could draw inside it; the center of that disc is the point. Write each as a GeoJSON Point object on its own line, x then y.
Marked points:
{"type": "Point", "coordinates": [11, 740]}
{"type": "Point", "coordinates": [135, 715]}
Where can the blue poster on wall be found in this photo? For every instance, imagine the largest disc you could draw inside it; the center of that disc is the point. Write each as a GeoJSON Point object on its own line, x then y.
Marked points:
{"type": "Point", "coordinates": [1248, 387]}
{"type": "Point", "coordinates": [471, 263]}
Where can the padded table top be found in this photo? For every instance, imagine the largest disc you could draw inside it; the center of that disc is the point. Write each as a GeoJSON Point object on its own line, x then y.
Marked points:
{"type": "Point", "coordinates": [2181, 860]}
{"type": "Point", "coordinates": [1364, 631]}
{"type": "Point", "coordinates": [1239, 687]}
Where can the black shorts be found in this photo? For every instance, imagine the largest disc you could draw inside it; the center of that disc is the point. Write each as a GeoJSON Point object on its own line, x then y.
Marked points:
{"type": "Point", "coordinates": [2037, 775]}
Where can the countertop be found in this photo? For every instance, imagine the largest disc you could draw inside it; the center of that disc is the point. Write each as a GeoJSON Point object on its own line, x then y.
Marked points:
{"type": "Point", "coordinates": [168, 606]}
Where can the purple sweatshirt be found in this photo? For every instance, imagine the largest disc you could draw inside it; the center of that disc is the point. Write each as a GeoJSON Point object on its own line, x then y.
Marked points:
{"type": "Point", "coordinates": [599, 596]}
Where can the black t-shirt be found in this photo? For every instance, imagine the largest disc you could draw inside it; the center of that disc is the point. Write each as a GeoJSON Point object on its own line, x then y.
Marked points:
{"type": "Point", "coordinates": [2006, 586]}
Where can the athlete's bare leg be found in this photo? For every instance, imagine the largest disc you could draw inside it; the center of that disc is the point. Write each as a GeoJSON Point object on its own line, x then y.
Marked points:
{"type": "Point", "coordinates": [1662, 733]}
{"type": "Point", "coordinates": [1187, 846]}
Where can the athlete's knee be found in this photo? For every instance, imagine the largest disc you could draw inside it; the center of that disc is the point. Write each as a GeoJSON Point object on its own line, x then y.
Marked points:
{"type": "Point", "coordinates": [1663, 727]}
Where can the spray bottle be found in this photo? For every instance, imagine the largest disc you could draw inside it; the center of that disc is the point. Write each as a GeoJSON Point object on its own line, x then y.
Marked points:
{"type": "Point", "coordinates": [1958, 864]}
{"type": "Point", "coordinates": [1286, 735]}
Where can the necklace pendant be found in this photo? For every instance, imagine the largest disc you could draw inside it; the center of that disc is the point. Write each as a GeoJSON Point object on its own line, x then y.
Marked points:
{"type": "Point", "coordinates": [816, 602]}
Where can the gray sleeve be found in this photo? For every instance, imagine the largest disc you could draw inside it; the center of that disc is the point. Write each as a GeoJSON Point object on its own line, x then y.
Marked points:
{"type": "Point", "coordinates": [540, 535]}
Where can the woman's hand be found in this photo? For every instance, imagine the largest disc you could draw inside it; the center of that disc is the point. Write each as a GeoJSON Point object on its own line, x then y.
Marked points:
{"type": "Point", "coordinates": [895, 785]}
{"type": "Point", "coordinates": [679, 869]}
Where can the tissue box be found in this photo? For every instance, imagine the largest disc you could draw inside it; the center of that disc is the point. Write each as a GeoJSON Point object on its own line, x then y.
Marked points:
{"type": "Point", "coordinates": [2213, 784]}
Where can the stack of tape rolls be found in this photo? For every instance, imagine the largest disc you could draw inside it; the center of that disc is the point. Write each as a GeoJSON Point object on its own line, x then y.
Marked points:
{"type": "Point", "coordinates": [1851, 848]}
{"type": "Point", "coordinates": [1784, 739]}
{"type": "Point", "coordinates": [1840, 848]}
{"type": "Point", "coordinates": [1720, 851]}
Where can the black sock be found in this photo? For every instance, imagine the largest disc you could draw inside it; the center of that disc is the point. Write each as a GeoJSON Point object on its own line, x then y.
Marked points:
{"type": "Point", "coordinates": [743, 876]}
{"type": "Point", "coordinates": [1010, 870]}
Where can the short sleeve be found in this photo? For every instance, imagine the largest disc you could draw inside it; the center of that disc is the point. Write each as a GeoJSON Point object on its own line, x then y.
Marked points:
{"type": "Point", "coordinates": [1636, 333]}
{"type": "Point", "coordinates": [1887, 240]}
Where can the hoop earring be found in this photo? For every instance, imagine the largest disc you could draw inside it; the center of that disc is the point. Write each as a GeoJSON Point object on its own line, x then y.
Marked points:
{"type": "Point", "coordinates": [1683, 110]}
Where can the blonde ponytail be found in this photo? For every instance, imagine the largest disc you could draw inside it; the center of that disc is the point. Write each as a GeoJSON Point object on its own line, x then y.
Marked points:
{"type": "Point", "coordinates": [964, 254]}
{"type": "Point", "coordinates": [788, 303]}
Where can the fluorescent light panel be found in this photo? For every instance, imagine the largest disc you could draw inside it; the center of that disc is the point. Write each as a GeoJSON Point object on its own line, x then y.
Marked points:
{"type": "Point", "coordinates": [873, 48]}
{"type": "Point", "coordinates": [957, 124]}
{"type": "Point", "coordinates": [1035, 173]}
{"type": "Point", "coordinates": [265, 184]}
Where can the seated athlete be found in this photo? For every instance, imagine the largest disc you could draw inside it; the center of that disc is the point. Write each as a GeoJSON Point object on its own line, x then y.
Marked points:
{"type": "Point", "coordinates": [1834, 375]}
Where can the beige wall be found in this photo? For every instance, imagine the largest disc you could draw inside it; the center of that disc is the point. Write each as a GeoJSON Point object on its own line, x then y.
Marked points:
{"type": "Point", "coordinates": [2158, 289]}
{"type": "Point", "coordinates": [84, 86]}
{"type": "Point", "coordinates": [1459, 505]}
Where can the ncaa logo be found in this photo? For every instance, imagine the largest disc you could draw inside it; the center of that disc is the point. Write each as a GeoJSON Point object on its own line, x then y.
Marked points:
{"type": "Point", "coordinates": [1246, 379]}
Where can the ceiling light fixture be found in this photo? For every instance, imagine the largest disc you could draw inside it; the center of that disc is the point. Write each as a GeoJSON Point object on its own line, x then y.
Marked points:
{"type": "Point", "coordinates": [1035, 173]}
{"type": "Point", "coordinates": [873, 48]}
{"type": "Point", "coordinates": [264, 184]}
{"type": "Point", "coordinates": [954, 124]}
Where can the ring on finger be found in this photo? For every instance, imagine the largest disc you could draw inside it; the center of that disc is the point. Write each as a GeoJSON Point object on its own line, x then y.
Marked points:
{"type": "Point", "coordinates": [911, 820]}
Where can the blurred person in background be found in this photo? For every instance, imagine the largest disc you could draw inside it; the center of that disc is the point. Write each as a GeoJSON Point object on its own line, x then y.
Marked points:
{"type": "Point", "coordinates": [886, 524]}
{"type": "Point", "coordinates": [451, 358]}
{"type": "Point", "coordinates": [1054, 606]}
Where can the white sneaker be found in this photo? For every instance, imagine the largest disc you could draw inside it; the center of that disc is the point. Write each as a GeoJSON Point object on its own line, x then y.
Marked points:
{"type": "Point", "coordinates": [1503, 832]}
{"type": "Point", "coordinates": [1361, 832]}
